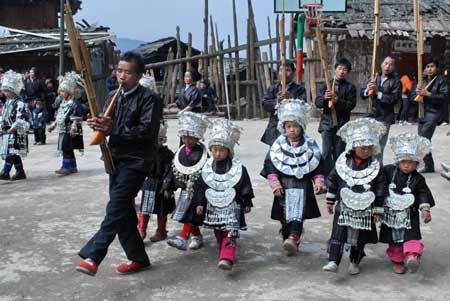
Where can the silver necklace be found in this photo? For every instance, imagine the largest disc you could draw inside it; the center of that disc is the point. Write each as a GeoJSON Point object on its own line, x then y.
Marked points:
{"type": "Point", "coordinates": [357, 177]}
{"type": "Point", "coordinates": [222, 181]}
{"type": "Point", "coordinates": [189, 170]}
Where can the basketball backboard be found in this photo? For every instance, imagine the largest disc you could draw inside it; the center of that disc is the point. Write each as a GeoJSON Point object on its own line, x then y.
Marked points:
{"type": "Point", "coordinates": [294, 6]}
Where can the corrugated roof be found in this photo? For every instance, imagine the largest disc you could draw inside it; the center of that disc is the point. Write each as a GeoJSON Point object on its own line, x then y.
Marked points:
{"type": "Point", "coordinates": [396, 18]}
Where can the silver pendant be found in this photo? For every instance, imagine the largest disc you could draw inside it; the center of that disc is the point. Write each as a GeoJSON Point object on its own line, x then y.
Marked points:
{"type": "Point", "coordinates": [406, 190]}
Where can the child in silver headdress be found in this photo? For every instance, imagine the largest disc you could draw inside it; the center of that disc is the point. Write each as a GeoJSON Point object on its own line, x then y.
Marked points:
{"type": "Point", "coordinates": [187, 166]}
{"type": "Point", "coordinates": [225, 193]}
{"type": "Point", "coordinates": [14, 126]}
{"type": "Point", "coordinates": [157, 191]}
{"type": "Point", "coordinates": [357, 187]}
{"type": "Point", "coordinates": [68, 121]}
{"type": "Point", "coordinates": [293, 164]}
{"type": "Point", "coordinates": [409, 195]}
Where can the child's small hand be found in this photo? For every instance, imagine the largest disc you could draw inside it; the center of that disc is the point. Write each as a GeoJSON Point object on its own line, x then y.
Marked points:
{"type": "Point", "coordinates": [426, 216]}
{"type": "Point", "coordinates": [448, 133]}
{"type": "Point", "coordinates": [247, 210]}
{"type": "Point", "coordinates": [199, 210]}
{"type": "Point", "coordinates": [330, 208]}
{"type": "Point", "coordinates": [279, 193]}
{"type": "Point", "coordinates": [376, 218]}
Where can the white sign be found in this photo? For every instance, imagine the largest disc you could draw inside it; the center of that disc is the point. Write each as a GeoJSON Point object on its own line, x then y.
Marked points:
{"type": "Point", "coordinates": [409, 46]}
{"type": "Point", "coordinates": [294, 6]}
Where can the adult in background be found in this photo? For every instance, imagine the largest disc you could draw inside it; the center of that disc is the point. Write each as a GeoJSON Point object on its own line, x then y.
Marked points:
{"type": "Point", "coordinates": [408, 81]}
{"type": "Point", "coordinates": [189, 98]}
{"type": "Point", "coordinates": [344, 102]}
{"type": "Point", "coordinates": [111, 82]}
{"type": "Point", "coordinates": [434, 99]}
{"type": "Point", "coordinates": [34, 88]}
{"type": "Point", "coordinates": [208, 95]}
{"type": "Point", "coordinates": [50, 94]}
{"type": "Point", "coordinates": [133, 139]}
{"type": "Point", "coordinates": [274, 96]}
{"type": "Point", "coordinates": [388, 92]}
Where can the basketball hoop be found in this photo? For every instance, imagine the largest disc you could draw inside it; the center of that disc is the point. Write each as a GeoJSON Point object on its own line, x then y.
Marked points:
{"type": "Point", "coordinates": [312, 13]}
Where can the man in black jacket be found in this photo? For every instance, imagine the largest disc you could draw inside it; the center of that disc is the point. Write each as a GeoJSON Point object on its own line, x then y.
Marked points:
{"type": "Point", "coordinates": [133, 134]}
{"type": "Point", "coordinates": [434, 99]}
{"type": "Point", "coordinates": [344, 103]}
{"type": "Point", "coordinates": [388, 91]}
{"type": "Point", "coordinates": [273, 96]}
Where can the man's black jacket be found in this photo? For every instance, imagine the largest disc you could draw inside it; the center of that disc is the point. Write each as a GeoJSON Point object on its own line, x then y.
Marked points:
{"type": "Point", "coordinates": [345, 95]}
{"type": "Point", "coordinates": [269, 103]}
{"type": "Point", "coordinates": [134, 137]}
{"type": "Point", "coordinates": [391, 94]}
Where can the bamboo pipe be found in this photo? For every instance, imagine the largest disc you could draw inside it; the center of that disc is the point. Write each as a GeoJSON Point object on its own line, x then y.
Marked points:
{"type": "Point", "coordinates": [324, 61]}
{"type": "Point", "coordinates": [283, 55]}
{"type": "Point", "coordinates": [99, 136]}
{"type": "Point", "coordinates": [376, 40]}
{"type": "Point", "coordinates": [419, 98]}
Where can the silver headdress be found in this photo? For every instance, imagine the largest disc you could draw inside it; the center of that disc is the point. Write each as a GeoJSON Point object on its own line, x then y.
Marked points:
{"type": "Point", "coordinates": [192, 124]}
{"type": "Point", "coordinates": [362, 132]}
{"type": "Point", "coordinates": [162, 135]}
{"type": "Point", "coordinates": [69, 82]}
{"type": "Point", "coordinates": [293, 110]}
{"type": "Point", "coordinates": [409, 146]}
{"type": "Point", "coordinates": [13, 82]}
{"type": "Point", "coordinates": [146, 81]}
{"type": "Point", "coordinates": [225, 133]}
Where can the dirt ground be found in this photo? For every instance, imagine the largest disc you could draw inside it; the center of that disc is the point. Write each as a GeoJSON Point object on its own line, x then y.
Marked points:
{"type": "Point", "coordinates": [46, 219]}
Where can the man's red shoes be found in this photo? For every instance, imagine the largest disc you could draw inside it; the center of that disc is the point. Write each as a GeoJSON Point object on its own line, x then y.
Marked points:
{"type": "Point", "coordinates": [131, 267]}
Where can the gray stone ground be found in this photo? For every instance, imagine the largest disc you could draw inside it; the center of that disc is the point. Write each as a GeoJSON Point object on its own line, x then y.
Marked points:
{"type": "Point", "coordinates": [45, 220]}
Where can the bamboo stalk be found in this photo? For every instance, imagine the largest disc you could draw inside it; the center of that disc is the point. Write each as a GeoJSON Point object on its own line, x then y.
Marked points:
{"type": "Point", "coordinates": [283, 55]}
{"type": "Point", "coordinates": [189, 52]}
{"type": "Point", "coordinates": [236, 63]}
{"type": "Point", "coordinates": [270, 49]}
{"type": "Point", "coordinates": [324, 60]}
{"type": "Point", "coordinates": [376, 43]}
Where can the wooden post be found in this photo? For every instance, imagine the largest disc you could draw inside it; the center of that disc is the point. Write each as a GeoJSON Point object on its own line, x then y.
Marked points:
{"type": "Point", "coordinates": [230, 72]}
{"type": "Point", "coordinates": [277, 36]}
{"type": "Point", "coordinates": [189, 52]}
{"type": "Point", "coordinates": [220, 65]}
{"type": "Point", "coordinates": [270, 50]}
{"type": "Point", "coordinates": [205, 40]}
{"type": "Point", "coordinates": [61, 38]}
{"type": "Point", "coordinates": [310, 83]}
{"type": "Point", "coordinates": [215, 63]}
{"type": "Point", "coordinates": [291, 37]}
{"type": "Point", "coordinates": [267, 70]}
{"type": "Point", "coordinates": [154, 86]}
{"type": "Point", "coordinates": [236, 64]}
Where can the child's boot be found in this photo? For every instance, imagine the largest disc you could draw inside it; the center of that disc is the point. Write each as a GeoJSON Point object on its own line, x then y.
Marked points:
{"type": "Point", "coordinates": [142, 224]}
{"type": "Point", "coordinates": [412, 262]}
{"type": "Point", "coordinates": [160, 233]}
{"type": "Point", "coordinates": [290, 245]}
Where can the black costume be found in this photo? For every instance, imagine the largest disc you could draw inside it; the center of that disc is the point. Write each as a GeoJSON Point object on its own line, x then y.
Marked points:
{"type": "Point", "coordinates": [388, 95]}
{"type": "Point", "coordinates": [270, 102]}
{"type": "Point", "coordinates": [303, 204]}
{"type": "Point", "coordinates": [332, 145]}
{"type": "Point", "coordinates": [190, 96]}
{"type": "Point", "coordinates": [433, 106]}
{"type": "Point", "coordinates": [154, 199]}
{"type": "Point", "coordinates": [422, 196]}
{"type": "Point", "coordinates": [133, 143]}
{"type": "Point", "coordinates": [342, 235]}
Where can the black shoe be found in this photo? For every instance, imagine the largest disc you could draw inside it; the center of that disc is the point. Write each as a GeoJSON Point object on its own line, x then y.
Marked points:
{"type": "Point", "coordinates": [19, 176]}
{"type": "Point", "coordinates": [426, 170]}
{"type": "Point", "coordinates": [5, 176]}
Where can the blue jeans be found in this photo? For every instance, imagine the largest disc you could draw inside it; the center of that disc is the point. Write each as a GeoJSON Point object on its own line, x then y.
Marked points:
{"type": "Point", "coordinates": [120, 218]}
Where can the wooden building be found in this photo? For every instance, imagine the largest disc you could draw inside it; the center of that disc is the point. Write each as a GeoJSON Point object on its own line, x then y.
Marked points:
{"type": "Point", "coordinates": [31, 40]}
{"type": "Point", "coordinates": [350, 35]}
{"type": "Point", "coordinates": [32, 14]}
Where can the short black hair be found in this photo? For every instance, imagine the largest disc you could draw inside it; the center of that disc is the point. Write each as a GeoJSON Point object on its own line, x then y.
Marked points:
{"type": "Point", "coordinates": [344, 62]}
{"type": "Point", "coordinates": [289, 64]}
{"type": "Point", "coordinates": [432, 60]}
{"type": "Point", "coordinates": [131, 56]}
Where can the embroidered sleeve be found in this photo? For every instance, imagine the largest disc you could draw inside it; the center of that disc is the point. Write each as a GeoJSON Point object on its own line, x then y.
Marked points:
{"type": "Point", "coordinates": [274, 182]}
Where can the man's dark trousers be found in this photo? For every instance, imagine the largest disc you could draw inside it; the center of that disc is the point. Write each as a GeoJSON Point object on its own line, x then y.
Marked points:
{"type": "Point", "coordinates": [120, 218]}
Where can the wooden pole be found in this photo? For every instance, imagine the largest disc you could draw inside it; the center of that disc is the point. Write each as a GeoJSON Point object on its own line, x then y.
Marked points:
{"type": "Point", "coordinates": [236, 63]}
{"type": "Point", "coordinates": [310, 82]}
{"type": "Point", "coordinates": [61, 37]}
{"type": "Point", "coordinates": [189, 52]}
{"type": "Point", "coordinates": [205, 40]}
{"type": "Point", "coordinates": [291, 37]}
{"type": "Point", "coordinates": [215, 62]}
{"type": "Point", "coordinates": [277, 37]}
{"type": "Point", "coordinates": [232, 91]}
{"type": "Point", "coordinates": [270, 50]}
{"type": "Point", "coordinates": [324, 59]}
{"type": "Point", "coordinates": [220, 65]}
{"type": "Point", "coordinates": [283, 55]}
{"type": "Point", "coordinates": [376, 42]}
